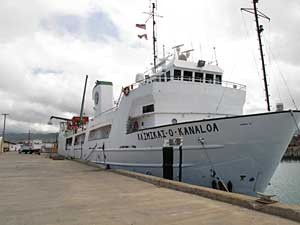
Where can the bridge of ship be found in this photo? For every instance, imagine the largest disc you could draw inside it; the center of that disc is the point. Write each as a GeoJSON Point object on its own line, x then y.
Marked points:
{"type": "Point", "coordinates": [186, 71]}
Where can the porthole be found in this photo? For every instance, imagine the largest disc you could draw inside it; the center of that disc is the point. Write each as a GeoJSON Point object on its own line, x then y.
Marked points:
{"type": "Point", "coordinates": [96, 98]}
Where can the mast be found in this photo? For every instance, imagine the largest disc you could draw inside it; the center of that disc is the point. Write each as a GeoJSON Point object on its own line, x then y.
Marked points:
{"type": "Point", "coordinates": [82, 102]}
{"type": "Point", "coordinates": [154, 37]}
{"type": "Point", "coordinates": [260, 29]}
{"type": "Point", "coordinates": [152, 14]}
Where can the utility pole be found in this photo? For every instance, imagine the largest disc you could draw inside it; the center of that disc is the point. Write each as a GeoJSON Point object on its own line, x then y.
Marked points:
{"type": "Point", "coordinates": [4, 121]}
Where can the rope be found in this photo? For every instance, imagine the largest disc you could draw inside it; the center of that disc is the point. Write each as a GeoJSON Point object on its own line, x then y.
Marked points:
{"type": "Point", "coordinates": [252, 51]}
{"type": "Point", "coordinates": [284, 80]}
{"type": "Point", "coordinates": [292, 113]}
{"type": "Point", "coordinates": [212, 166]}
{"type": "Point", "coordinates": [281, 74]}
{"type": "Point", "coordinates": [93, 149]}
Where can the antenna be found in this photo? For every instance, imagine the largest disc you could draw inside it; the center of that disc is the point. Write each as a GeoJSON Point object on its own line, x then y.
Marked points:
{"type": "Point", "coordinates": [200, 48]}
{"type": "Point", "coordinates": [153, 15]}
{"type": "Point", "coordinates": [188, 52]}
{"type": "Point", "coordinates": [260, 29]}
{"type": "Point", "coordinates": [215, 53]}
{"type": "Point", "coordinates": [177, 48]}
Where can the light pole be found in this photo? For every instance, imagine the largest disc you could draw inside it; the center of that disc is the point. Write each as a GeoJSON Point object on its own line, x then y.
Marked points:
{"type": "Point", "coordinates": [3, 132]}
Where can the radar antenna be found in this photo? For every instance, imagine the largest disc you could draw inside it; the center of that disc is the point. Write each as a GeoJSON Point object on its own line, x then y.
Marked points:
{"type": "Point", "coordinates": [177, 49]}
{"type": "Point", "coordinates": [188, 52]}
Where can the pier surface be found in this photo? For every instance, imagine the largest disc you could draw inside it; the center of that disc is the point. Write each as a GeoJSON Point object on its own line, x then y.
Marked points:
{"type": "Point", "coordinates": [35, 190]}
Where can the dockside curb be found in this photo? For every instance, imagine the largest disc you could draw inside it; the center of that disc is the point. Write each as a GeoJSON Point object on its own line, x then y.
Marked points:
{"type": "Point", "coordinates": [278, 209]}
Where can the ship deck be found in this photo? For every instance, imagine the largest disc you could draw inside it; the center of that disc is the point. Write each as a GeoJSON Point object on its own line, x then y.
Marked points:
{"type": "Point", "coordinates": [36, 190]}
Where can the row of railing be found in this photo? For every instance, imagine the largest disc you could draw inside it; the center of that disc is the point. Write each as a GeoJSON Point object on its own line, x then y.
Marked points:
{"type": "Point", "coordinates": [159, 78]}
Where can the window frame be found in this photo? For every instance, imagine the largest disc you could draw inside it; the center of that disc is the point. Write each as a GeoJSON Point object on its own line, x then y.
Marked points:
{"type": "Point", "coordinates": [201, 77]}
{"type": "Point", "coordinates": [148, 108]}
{"type": "Point", "coordinates": [168, 76]}
{"type": "Point", "coordinates": [103, 136]}
{"type": "Point", "coordinates": [163, 77]}
{"type": "Point", "coordinates": [82, 140]}
{"type": "Point", "coordinates": [218, 81]}
{"type": "Point", "coordinates": [210, 80]}
{"type": "Point", "coordinates": [186, 77]}
{"type": "Point", "coordinates": [177, 76]}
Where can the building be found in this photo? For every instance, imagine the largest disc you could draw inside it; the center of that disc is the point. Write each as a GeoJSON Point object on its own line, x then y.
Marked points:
{"type": "Point", "coordinates": [6, 146]}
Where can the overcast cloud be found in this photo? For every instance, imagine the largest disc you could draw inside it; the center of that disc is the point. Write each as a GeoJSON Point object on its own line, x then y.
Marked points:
{"type": "Point", "coordinates": [48, 46]}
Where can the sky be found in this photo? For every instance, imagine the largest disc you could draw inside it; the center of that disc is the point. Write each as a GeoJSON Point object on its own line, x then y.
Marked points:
{"type": "Point", "coordinates": [48, 46]}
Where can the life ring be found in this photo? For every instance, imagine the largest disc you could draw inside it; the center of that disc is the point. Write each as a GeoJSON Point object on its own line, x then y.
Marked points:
{"type": "Point", "coordinates": [126, 91]}
{"type": "Point", "coordinates": [135, 125]}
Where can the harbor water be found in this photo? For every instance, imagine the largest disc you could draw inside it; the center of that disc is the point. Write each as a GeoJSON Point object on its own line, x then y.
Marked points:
{"type": "Point", "coordinates": [285, 183]}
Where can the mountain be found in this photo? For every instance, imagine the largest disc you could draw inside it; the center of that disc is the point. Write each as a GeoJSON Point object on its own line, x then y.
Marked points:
{"type": "Point", "coordinates": [19, 137]}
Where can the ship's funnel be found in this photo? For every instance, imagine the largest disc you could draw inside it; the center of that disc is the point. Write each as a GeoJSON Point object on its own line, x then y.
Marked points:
{"type": "Point", "coordinates": [102, 96]}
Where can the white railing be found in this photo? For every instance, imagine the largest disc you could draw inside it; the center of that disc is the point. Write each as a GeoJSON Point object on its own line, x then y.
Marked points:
{"type": "Point", "coordinates": [159, 78]}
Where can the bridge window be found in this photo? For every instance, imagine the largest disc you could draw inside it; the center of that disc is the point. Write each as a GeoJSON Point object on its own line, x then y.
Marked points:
{"type": "Point", "coordinates": [100, 133]}
{"type": "Point", "coordinates": [209, 78]}
{"type": "Point", "coordinates": [168, 75]}
{"type": "Point", "coordinates": [218, 79]}
{"type": "Point", "coordinates": [198, 77]}
{"type": "Point", "coordinates": [177, 74]}
{"type": "Point", "coordinates": [69, 141]}
{"type": "Point", "coordinates": [187, 75]}
{"type": "Point", "coordinates": [148, 108]}
{"type": "Point", "coordinates": [162, 78]}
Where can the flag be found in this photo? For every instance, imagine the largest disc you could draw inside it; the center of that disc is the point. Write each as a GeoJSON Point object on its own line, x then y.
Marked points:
{"type": "Point", "coordinates": [142, 26]}
{"type": "Point", "coordinates": [143, 36]}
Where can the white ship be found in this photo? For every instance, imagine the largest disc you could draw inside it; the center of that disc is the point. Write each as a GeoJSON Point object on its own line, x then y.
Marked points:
{"type": "Point", "coordinates": [182, 121]}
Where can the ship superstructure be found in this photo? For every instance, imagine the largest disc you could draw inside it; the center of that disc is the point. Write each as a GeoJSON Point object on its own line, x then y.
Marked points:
{"type": "Point", "coordinates": [185, 106]}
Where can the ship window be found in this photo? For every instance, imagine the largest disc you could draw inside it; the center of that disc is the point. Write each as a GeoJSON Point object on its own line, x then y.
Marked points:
{"type": "Point", "coordinates": [69, 141]}
{"type": "Point", "coordinates": [148, 108]}
{"type": "Point", "coordinates": [168, 76]}
{"type": "Point", "coordinates": [209, 78]}
{"type": "Point", "coordinates": [198, 77]}
{"type": "Point", "coordinates": [156, 78]}
{"type": "Point", "coordinates": [162, 78]}
{"type": "Point", "coordinates": [177, 74]}
{"type": "Point", "coordinates": [79, 139]}
{"type": "Point", "coordinates": [96, 98]}
{"type": "Point", "coordinates": [100, 133]}
{"type": "Point", "coordinates": [187, 75]}
{"type": "Point", "coordinates": [218, 79]}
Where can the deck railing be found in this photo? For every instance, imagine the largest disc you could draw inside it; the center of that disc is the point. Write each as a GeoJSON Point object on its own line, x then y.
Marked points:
{"type": "Point", "coordinates": [164, 79]}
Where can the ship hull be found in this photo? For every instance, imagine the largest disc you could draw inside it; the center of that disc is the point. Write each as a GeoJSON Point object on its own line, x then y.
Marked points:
{"type": "Point", "coordinates": [240, 153]}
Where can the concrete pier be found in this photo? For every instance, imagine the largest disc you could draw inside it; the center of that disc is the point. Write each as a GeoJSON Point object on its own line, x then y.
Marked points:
{"type": "Point", "coordinates": [35, 190]}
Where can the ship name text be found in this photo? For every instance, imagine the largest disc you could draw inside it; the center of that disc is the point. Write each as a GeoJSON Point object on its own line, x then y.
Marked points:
{"type": "Point", "coordinates": [179, 131]}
